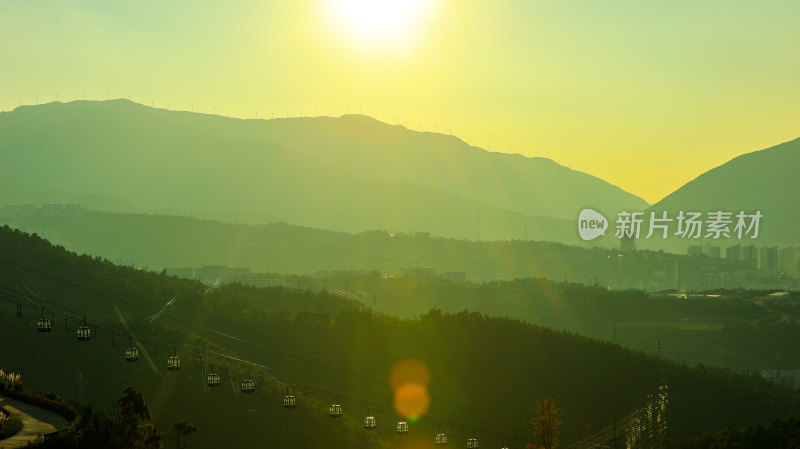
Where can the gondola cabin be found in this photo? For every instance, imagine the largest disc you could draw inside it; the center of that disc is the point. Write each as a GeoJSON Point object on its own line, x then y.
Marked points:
{"type": "Point", "coordinates": [248, 386]}
{"type": "Point", "coordinates": [44, 325]}
{"type": "Point", "coordinates": [402, 428]}
{"type": "Point", "coordinates": [213, 380]}
{"type": "Point", "coordinates": [83, 333]}
{"type": "Point", "coordinates": [174, 363]}
{"type": "Point", "coordinates": [131, 354]}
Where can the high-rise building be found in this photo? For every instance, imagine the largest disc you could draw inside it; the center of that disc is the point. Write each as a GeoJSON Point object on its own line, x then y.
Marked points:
{"type": "Point", "coordinates": [749, 254]}
{"type": "Point", "coordinates": [789, 261]}
{"type": "Point", "coordinates": [768, 258]}
{"type": "Point", "coordinates": [694, 250]}
{"type": "Point", "coordinates": [713, 252]}
{"type": "Point", "coordinates": [733, 252]}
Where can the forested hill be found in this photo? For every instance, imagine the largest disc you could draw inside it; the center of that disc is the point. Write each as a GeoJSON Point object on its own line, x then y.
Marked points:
{"type": "Point", "coordinates": [484, 372]}
{"type": "Point", "coordinates": [349, 173]}
{"type": "Point", "coordinates": [161, 241]}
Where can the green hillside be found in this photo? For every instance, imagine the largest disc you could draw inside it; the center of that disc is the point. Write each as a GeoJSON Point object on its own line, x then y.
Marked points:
{"type": "Point", "coordinates": [485, 372]}
{"type": "Point", "coordinates": [159, 242]}
{"type": "Point", "coordinates": [350, 173]}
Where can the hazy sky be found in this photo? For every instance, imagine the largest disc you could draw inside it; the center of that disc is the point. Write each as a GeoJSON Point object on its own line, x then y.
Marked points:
{"type": "Point", "coordinates": [646, 95]}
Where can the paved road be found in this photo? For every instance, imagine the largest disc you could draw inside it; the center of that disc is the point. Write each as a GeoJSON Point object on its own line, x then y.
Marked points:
{"type": "Point", "coordinates": [35, 421]}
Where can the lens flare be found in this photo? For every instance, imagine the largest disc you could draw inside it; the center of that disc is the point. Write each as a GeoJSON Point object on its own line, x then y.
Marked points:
{"type": "Point", "coordinates": [411, 400]}
{"type": "Point", "coordinates": [409, 380]}
{"type": "Point", "coordinates": [409, 371]}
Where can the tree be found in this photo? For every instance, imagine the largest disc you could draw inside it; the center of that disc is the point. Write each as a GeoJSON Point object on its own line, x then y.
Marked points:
{"type": "Point", "coordinates": [545, 423]}
{"type": "Point", "coordinates": [182, 429]}
{"type": "Point", "coordinates": [135, 432]}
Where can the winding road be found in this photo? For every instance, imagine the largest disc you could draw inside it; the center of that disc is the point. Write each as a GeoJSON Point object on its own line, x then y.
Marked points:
{"type": "Point", "coordinates": [35, 422]}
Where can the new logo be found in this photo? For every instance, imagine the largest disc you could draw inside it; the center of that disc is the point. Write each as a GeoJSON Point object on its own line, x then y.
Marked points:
{"type": "Point", "coordinates": [591, 224]}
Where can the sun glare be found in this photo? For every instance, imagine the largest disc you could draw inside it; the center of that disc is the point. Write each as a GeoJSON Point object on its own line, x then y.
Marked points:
{"type": "Point", "coordinates": [379, 21]}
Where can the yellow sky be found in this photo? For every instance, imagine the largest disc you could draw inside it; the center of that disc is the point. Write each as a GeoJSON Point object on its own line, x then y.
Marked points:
{"type": "Point", "coordinates": [646, 96]}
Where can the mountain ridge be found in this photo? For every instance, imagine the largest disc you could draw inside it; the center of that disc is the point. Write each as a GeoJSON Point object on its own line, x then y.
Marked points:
{"type": "Point", "coordinates": [759, 180]}
{"type": "Point", "coordinates": [179, 157]}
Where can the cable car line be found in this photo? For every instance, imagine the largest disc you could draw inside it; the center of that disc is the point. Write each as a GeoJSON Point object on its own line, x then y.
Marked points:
{"type": "Point", "coordinates": [138, 306]}
{"type": "Point", "coordinates": [183, 321]}
{"type": "Point", "coordinates": [158, 314]}
{"type": "Point", "coordinates": [342, 371]}
{"type": "Point", "coordinates": [138, 343]}
{"type": "Point", "coordinates": [239, 359]}
{"type": "Point", "coordinates": [338, 387]}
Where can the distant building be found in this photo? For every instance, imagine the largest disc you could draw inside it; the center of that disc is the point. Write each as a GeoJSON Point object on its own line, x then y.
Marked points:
{"type": "Point", "coordinates": [591, 281]}
{"type": "Point", "coordinates": [458, 277]}
{"type": "Point", "coordinates": [749, 254]}
{"type": "Point", "coordinates": [789, 261]}
{"type": "Point", "coordinates": [715, 280]}
{"type": "Point", "coordinates": [683, 274]}
{"type": "Point", "coordinates": [690, 275]}
{"type": "Point", "coordinates": [786, 378]}
{"type": "Point", "coordinates": [418, 272]}
{"type": "Point", "coordinates": [711, 251]}
{"type": "Point", "coordinates": [13, 210]}
{"type": "Point", "coordinates": [733, 252]}
{"type": "Point", "coordinates": [261, 280]}
{"type": "Point", "coordinates": [694, 250]}
{"type": "Point", "coordinates": [221, 274]}
{"type": "Point", "coordinates": [768, 258]}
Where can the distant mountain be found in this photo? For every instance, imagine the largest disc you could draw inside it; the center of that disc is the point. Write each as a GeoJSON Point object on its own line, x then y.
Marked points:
{"type": "Point", "coordinates": [350, 173]}
{"type": "Point", "coordinates": [763, 181]}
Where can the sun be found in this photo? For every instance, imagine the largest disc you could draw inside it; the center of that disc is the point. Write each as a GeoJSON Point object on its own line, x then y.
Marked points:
{"type": "Point", "coordinates": [379, 21]}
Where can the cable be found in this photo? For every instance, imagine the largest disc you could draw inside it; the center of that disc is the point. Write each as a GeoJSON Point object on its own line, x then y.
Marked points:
{"type": "Point", "coordinates": [285, 354]}
{"type": "Point", "coordinates": [313, 362]}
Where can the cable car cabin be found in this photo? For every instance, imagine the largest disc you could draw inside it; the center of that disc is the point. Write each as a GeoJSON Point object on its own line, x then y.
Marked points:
{"type": "Point", "coordinates": [289, 401]}
{"type": "Point", "coordinates": [173, 363]}
{"type": "Point", "coordinates": [402, 428]}
{"type": "Point", "coordinates": [44, 325]}
{"type": "Point", "coordinates": [472, 443]}
{"type": "Point", "coordinates": [131, 355]}
{"type": "Point", "coordinates": [441, 439]}
{"type": "Point", "coordinates": [84, 333]}
{"type": "Point", "coordinates": [370, 423]}
{"type": "Point", "coordinates": [248, 386]}
{"type": "Point", "coordinates": [213, 380]}
{"type": "Point", "coordinates": [335, 411]}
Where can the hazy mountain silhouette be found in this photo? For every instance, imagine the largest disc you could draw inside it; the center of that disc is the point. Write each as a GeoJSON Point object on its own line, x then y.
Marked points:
{"type": "Point", "coordinates": [349, 173]}
{"type": "Point", "coordinates": [164, 241]}
{"type": "Point", "coordinates": [764, 180]}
